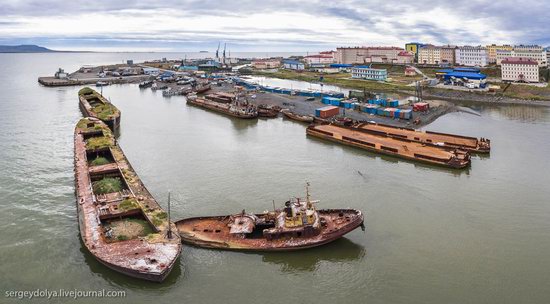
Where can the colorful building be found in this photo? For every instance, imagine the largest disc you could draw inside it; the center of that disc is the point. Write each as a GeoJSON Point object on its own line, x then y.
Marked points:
{"type": "Point", "coordinates": [379, 54]}
{"type": "Point", "coordinates": [534, 52]}
{"type": "Point", "coordinates": [266, 64]}
{"type": "Point", "coordinates": [429, 54]}
{"type": "Point", "coordinates": [492, 51]}
{"type": "Point", "coordinates": [293, 64]}
{"type": "Point", "coordinates": [414, 47]}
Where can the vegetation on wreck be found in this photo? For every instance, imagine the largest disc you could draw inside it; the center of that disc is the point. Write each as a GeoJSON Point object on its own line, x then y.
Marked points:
{"type": "Point", "coordinates": [107, 185]}
{"type": "Point", "coordinates": [104, 110]}
{"type": "Point", "coordinates": [128, 204]}
{"type": "Point", "coordinates": [99, 160]}
{"type": "Point", "coordinates": [95, 143]}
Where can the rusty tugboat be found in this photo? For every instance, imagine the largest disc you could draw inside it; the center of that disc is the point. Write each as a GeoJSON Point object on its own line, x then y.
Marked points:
{"type": "Point", "coordinates": [297, 226]}
{"type": "Point", "coordinates": [93, 104]}
{"type": "Point", "coordinates": [120, 222]}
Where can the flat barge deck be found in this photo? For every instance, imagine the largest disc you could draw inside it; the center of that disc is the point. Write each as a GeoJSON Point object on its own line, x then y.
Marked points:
{"type": "Point", "coordinates": [451, 141]}
{"type": "Point", "coordinates": [120, 222]}
{"type": "Point", "coordinates": [398, 147]}
{"type": "Point", "coordinates": [230, 109]}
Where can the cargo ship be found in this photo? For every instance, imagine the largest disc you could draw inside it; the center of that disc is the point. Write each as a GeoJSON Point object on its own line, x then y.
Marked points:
{"type": "Point", "coordinates": [394, 146]}
{"type": "Point", "coordinates": [93, 104]}
{"type": "Point", "coordinates": [450, 141]}
{"type": "Point", "coordinates": [235, 108]}
{"type": "Point", "coordinates": [298, 225]}
{"type": "Point", "coordinates": [120, 222]}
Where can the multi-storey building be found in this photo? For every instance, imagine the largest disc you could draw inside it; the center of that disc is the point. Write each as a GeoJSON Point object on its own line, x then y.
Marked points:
{"type": "Point", "coordinates": [366, 72]}
{"type": "Point", "coordinates": [414, 47]}
{"type": "Point", "coordinates": [471, 56]}
{"type": "Point", "coordinates": [429, 54]}
{"type": "Point", "coordinates": [534, 52]}
{"type": "Point", "coordinates": [266, 64]}
{"type": "Point", "coordinates": [492, 51]}
{"type": "Point", "coordinates": [520, 69]}
{"type": "Point", "coordinates": [448, 55]}
{"type": "Point", "coordinates": [360, 55]}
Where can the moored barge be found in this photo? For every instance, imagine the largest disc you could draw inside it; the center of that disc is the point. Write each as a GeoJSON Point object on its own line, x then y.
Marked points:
{"type": "Point", "coordinates": [299, 225]}
{"type": "Point", "coordinates": [93, 104]}
{"type": "Point", "coordinates": [234, 109]}
{"type": "Point", "coordinates": [399, 147]}
{"type": "Point", "coordinates": [450, 141]}
{"type": "Point", "coordinates": [297, 117]}
{"type": "Point", "coordinates": [120, 222]}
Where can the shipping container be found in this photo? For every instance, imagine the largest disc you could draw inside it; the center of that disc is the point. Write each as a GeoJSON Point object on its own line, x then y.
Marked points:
{"type": "Point", "coordinates": [326, 112]}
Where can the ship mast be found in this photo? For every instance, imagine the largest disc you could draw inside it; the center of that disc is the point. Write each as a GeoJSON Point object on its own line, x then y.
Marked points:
{"type": "Point", "coordinates": [307, 195]}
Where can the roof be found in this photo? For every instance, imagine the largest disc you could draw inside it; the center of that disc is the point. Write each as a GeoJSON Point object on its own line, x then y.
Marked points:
{"type": "Point", "coordinates": [404, 53]}
{"type": "Point", "coordinates": [368, 67]}
{"type": "Point", "coordinates": [468, 75]}
{"type": "Point", "coordinates": [319, 56]}
{"type": "Point", "coordinates": [341, 65]}
{"type": "Point", "coordinates": [519, 60]}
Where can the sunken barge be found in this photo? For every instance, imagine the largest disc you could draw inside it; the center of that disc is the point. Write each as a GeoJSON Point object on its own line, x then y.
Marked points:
{"type": "Point", "coordinates": [93, 104]}
{"type": "Point", "coordinates": [379, 142]}
{"type": "Point", "coordinates": [299, 225]}
{"type": "Point", "coordinates": [120, 222]}
{"type": "Point", "coordinates": [443, 140]}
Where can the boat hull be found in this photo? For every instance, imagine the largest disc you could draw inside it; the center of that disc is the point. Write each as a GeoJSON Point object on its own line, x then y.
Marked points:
{"type": "Point", "coordinates": [228, 242]}
{"type": "Point", "coordinates": [221, 109]}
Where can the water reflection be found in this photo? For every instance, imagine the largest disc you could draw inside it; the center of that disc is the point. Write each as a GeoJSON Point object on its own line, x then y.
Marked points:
{"type": "Point", "coordinates": [122, 280]}
{"type": "Point", "coordinates": [341, 250]}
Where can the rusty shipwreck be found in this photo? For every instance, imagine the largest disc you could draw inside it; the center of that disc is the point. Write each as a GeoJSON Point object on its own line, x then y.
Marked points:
{"type": "Point", "coordinates": [120, 222]}
{"type": "Point", "coordinates": [239, 108]}
{"type": "Point", "coordinates": [93, 104]}
{"type": "Point", "coordinates": [298, 225]}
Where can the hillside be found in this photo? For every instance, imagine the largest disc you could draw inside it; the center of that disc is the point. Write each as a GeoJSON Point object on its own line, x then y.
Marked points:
{"type": "Point", "coordinates": [26, 48]}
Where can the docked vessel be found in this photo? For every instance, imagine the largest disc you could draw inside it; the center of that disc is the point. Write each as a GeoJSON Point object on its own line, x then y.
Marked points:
{"type": "Point", "coordinates": [120, 222]}
{"type": "Point", "coordinates": [93, 104]}
{"type": "Point", "coordinates": [450, 141]}
{"type": "Point", "coordinates": [395, 146]}
{"type": "Point", "coordinates": [268, 111]}
{"type": "Point", "coordinates": [235, 109]}
{"type": "Point", "coordinates": [201, 89]}
{"type": "Point", "coordinates": [301, 118]}
{"type": "Point", "coordinates": [145, 84]}
{"type": "Point", "coordinates": [298, 225]}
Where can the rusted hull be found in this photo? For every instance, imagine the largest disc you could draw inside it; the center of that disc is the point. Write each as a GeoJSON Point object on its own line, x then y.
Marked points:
{"type": "Point", "coordinates": [149, 257]}
{"type": "Point", "coordinates": [221, 109]}
{"type": "Point", "coordinates": [442, 140]}
{"type": "Point", "coordinates": [377, 149]}
{"type": "Point", "coordinates": [221, 240]}
{"type": "Point", "coordinates": [113, 124]}
{"type": "Point", "coordinates": [300, 118]}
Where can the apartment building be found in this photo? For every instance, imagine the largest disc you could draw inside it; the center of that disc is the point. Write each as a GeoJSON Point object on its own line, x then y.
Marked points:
{"type": "Point", "coordinates": [471, 56]}
{"type": "Point", "coordinates": [534, 52]}
{"type": "Point", "coordinates": [492, 51]}
{"type": "Point", "coordinates": [448, 55]}
{"type": "Point", "coordinates": [520, 69]}
{"type": "Point", "coordinates": [361, 55]}
{"type": "Point", "coordinates": [429, 54]}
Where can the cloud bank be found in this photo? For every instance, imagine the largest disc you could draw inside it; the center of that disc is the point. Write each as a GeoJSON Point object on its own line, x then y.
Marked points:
{"type": "Point", "coordinates": [276, 26]}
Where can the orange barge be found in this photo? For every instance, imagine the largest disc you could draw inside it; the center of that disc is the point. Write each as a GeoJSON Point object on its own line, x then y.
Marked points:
{"type": "Point", "coordinates": [120, 222]}
{"type": "Point", "coordinates": [399, 147]}
{"type": "Point", "coordinates": [444, 140]}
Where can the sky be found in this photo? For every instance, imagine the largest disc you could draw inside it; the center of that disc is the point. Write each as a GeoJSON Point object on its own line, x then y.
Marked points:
{"type": "Point", "coordinates": [170, 25]}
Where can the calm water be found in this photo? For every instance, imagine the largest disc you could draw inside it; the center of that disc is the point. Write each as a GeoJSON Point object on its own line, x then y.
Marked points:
{"type": "Point", "coordinates": [433, 235]}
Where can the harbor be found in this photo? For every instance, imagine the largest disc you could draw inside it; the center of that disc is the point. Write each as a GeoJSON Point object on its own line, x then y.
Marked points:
{"type": "Point", "coordinates": [399, 197]}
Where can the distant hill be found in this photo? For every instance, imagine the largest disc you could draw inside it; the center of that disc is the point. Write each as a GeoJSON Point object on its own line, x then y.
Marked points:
{"type": "Point", "coordinates": [25, 48]}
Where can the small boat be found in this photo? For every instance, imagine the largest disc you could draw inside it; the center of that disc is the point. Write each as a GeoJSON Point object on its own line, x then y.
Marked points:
{"type": "Point", "coordinates": [297, 117]}
{"type": "Point", "coordinates": [203, 88]}
{"type": "Point", "coordinates": [145, 84]}
{"type": "Point", "coordinates": [156, 86]}
{"type": "Point", "coordinates": [101, 84]}
{"type": "Point", "coordinates": [268, 111]}
{"type": "Point", "coordinates": [298, 225]}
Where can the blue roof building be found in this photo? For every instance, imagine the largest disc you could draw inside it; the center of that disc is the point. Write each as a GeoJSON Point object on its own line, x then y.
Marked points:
{"type": "Point", "coordinates": [293, 64]}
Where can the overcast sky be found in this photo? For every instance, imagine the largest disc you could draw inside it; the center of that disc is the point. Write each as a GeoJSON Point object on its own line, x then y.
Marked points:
{"type": "Point", "coordinates": [171, 25]}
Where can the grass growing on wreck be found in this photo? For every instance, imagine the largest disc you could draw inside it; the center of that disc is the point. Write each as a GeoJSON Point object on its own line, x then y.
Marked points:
{"type": "Point", "coordinates": [99, 161]}
{"type": "Point", "coordinates": [107, 185]}
{"type": "Point", "coordinates": [105, 111]}
{"type": "Point", "coordinates": [128, 204]}
{"type": "Point", "coordinates": [98, 142]}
